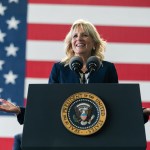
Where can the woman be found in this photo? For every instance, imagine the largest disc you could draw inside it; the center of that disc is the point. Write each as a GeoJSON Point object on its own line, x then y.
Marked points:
{"type": "Point", "coordinates": [84, 41]}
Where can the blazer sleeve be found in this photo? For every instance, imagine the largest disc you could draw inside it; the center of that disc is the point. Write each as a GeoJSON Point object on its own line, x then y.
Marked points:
{"type": "Point", "coordinates": [54, 76]}
{"type": "Point", "coordinates": [113, 76]}
{"type": "Point", "coordinates": [20, 117]}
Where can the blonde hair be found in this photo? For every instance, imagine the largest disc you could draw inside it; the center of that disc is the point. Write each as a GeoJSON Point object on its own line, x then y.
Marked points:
{"type": "Point", "coordinates": [88, 27]}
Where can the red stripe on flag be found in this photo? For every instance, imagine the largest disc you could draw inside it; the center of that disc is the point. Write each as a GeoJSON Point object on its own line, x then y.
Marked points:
{"type": "Point", "coordinates": [143, 3]}
{"type": "Point", "coordinates": [6, 143]}
{"type": "Point", "coordinates": [42, 69]}
{"type": "Point", "coordinates": [47, 31]}
{"type": "Point", "coordinates": [148, 146]}
{"type": "Point", "coordinates": [38, 69]}
{"type": "Point", "coordinates": [146, 104]}
{"type": "Point", "coordinates": [110, 33]}
{"type": "Point", "coordinates": [133, 71]}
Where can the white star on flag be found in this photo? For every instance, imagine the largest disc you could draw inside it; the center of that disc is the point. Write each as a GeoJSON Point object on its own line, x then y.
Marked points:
{"type": "Point", "coordinates": [13, 23]}
{"type": "Point", "coordinates": [2, 9]}
{"type": "Point", "coordinates": [11, 50]}
{"type": "Point", "coordinates": [15, 1]}
{"type": "Point", "coordinates": [10, 77]}
{"type": "Point", "coordinates": [1, 63]}
{"type": "Point", "coordinates": [2, 35]}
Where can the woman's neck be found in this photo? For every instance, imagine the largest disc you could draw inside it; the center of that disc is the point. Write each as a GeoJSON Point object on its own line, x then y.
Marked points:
{"type": "Point", "coordinates": [84, 68]}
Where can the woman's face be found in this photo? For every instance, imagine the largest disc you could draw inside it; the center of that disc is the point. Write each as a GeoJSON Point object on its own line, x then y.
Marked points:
{"type": "Point", "coordinates": [82, 43]}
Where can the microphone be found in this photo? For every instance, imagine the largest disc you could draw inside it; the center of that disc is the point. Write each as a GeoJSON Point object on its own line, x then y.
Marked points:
{"type": "Point", "coordinates": [76, 64]}
{"type": "Point", "coordinates": [93, 64]}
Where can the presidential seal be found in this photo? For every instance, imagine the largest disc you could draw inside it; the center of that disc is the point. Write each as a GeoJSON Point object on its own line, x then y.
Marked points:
{"type": "Point", "coordinates": [83, 113]}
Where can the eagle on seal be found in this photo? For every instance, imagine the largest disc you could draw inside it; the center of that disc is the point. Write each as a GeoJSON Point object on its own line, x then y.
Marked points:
{"type": "Point", "coordinates": [83, 113]}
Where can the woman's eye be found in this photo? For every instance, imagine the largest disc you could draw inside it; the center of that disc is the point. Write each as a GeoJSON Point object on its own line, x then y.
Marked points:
{"type": "Point", "coordinates": [74, 36]}
{"type": "Point", "coordinates": [85, 35]}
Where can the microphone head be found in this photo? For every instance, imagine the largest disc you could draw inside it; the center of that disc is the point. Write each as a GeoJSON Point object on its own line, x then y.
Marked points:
{"type": "Point", "coordinates": [93, 64]}
{"type": "Point", "coordinates": [76, 63]}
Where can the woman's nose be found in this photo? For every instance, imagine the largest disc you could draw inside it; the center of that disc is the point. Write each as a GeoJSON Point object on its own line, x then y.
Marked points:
{"type": "Point", "coordinates": [79, 37]}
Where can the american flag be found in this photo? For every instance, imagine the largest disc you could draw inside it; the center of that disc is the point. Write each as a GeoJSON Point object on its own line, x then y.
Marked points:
{"type": "Point", "coordinates": [31, 40]}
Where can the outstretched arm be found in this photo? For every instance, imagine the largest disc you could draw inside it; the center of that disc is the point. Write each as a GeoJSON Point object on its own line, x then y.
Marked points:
{"type": "Point", "coordinates": [9, 107]}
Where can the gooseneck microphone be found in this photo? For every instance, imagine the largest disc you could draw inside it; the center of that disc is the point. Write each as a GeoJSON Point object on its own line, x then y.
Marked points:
{"type": "Point", "coordinates": [76, 64]}
{"type": "Point", "coordinates": [93, 64]}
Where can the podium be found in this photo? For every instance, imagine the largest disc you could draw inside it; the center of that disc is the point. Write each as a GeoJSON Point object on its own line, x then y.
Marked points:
{"type": "Point", "coordinates": [122, 130]}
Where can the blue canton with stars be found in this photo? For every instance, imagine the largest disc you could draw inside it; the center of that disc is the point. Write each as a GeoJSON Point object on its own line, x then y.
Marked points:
{"type": "Point", "coordinates": [13, 25]}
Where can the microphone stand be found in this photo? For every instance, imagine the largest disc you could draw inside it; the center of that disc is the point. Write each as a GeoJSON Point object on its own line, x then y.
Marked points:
{"type": "Point", "coordinates": [84, 79]}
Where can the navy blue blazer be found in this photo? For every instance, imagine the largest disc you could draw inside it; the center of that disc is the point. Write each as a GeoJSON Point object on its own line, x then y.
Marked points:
{"type": "Point", "coordinates": [63, 74]}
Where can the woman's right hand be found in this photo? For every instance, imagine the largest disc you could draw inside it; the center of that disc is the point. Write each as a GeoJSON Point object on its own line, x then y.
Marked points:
{"type": "Point", "coordinates": [7, 106]}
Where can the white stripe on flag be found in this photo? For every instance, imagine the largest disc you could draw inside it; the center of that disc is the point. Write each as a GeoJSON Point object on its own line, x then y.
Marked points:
{"type": "Point", "coordinates": [9, 126]}
{"type": "Point", "coordinates": [45, 50]}
{"type": "Point", "coordinates": [115, 52]}
{"type": "Point", "coordinates": [128, 53]}
{"type": "Point", "coordinates": [101, 15]}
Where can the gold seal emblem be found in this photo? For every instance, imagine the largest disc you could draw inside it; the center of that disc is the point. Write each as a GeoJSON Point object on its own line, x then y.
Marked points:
{"type": "Point", "coordinates": [83, 113]}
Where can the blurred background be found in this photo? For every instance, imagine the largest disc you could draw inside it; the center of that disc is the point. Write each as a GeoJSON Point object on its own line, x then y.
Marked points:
{"type": "Point", "coordinates": [31, 40]}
